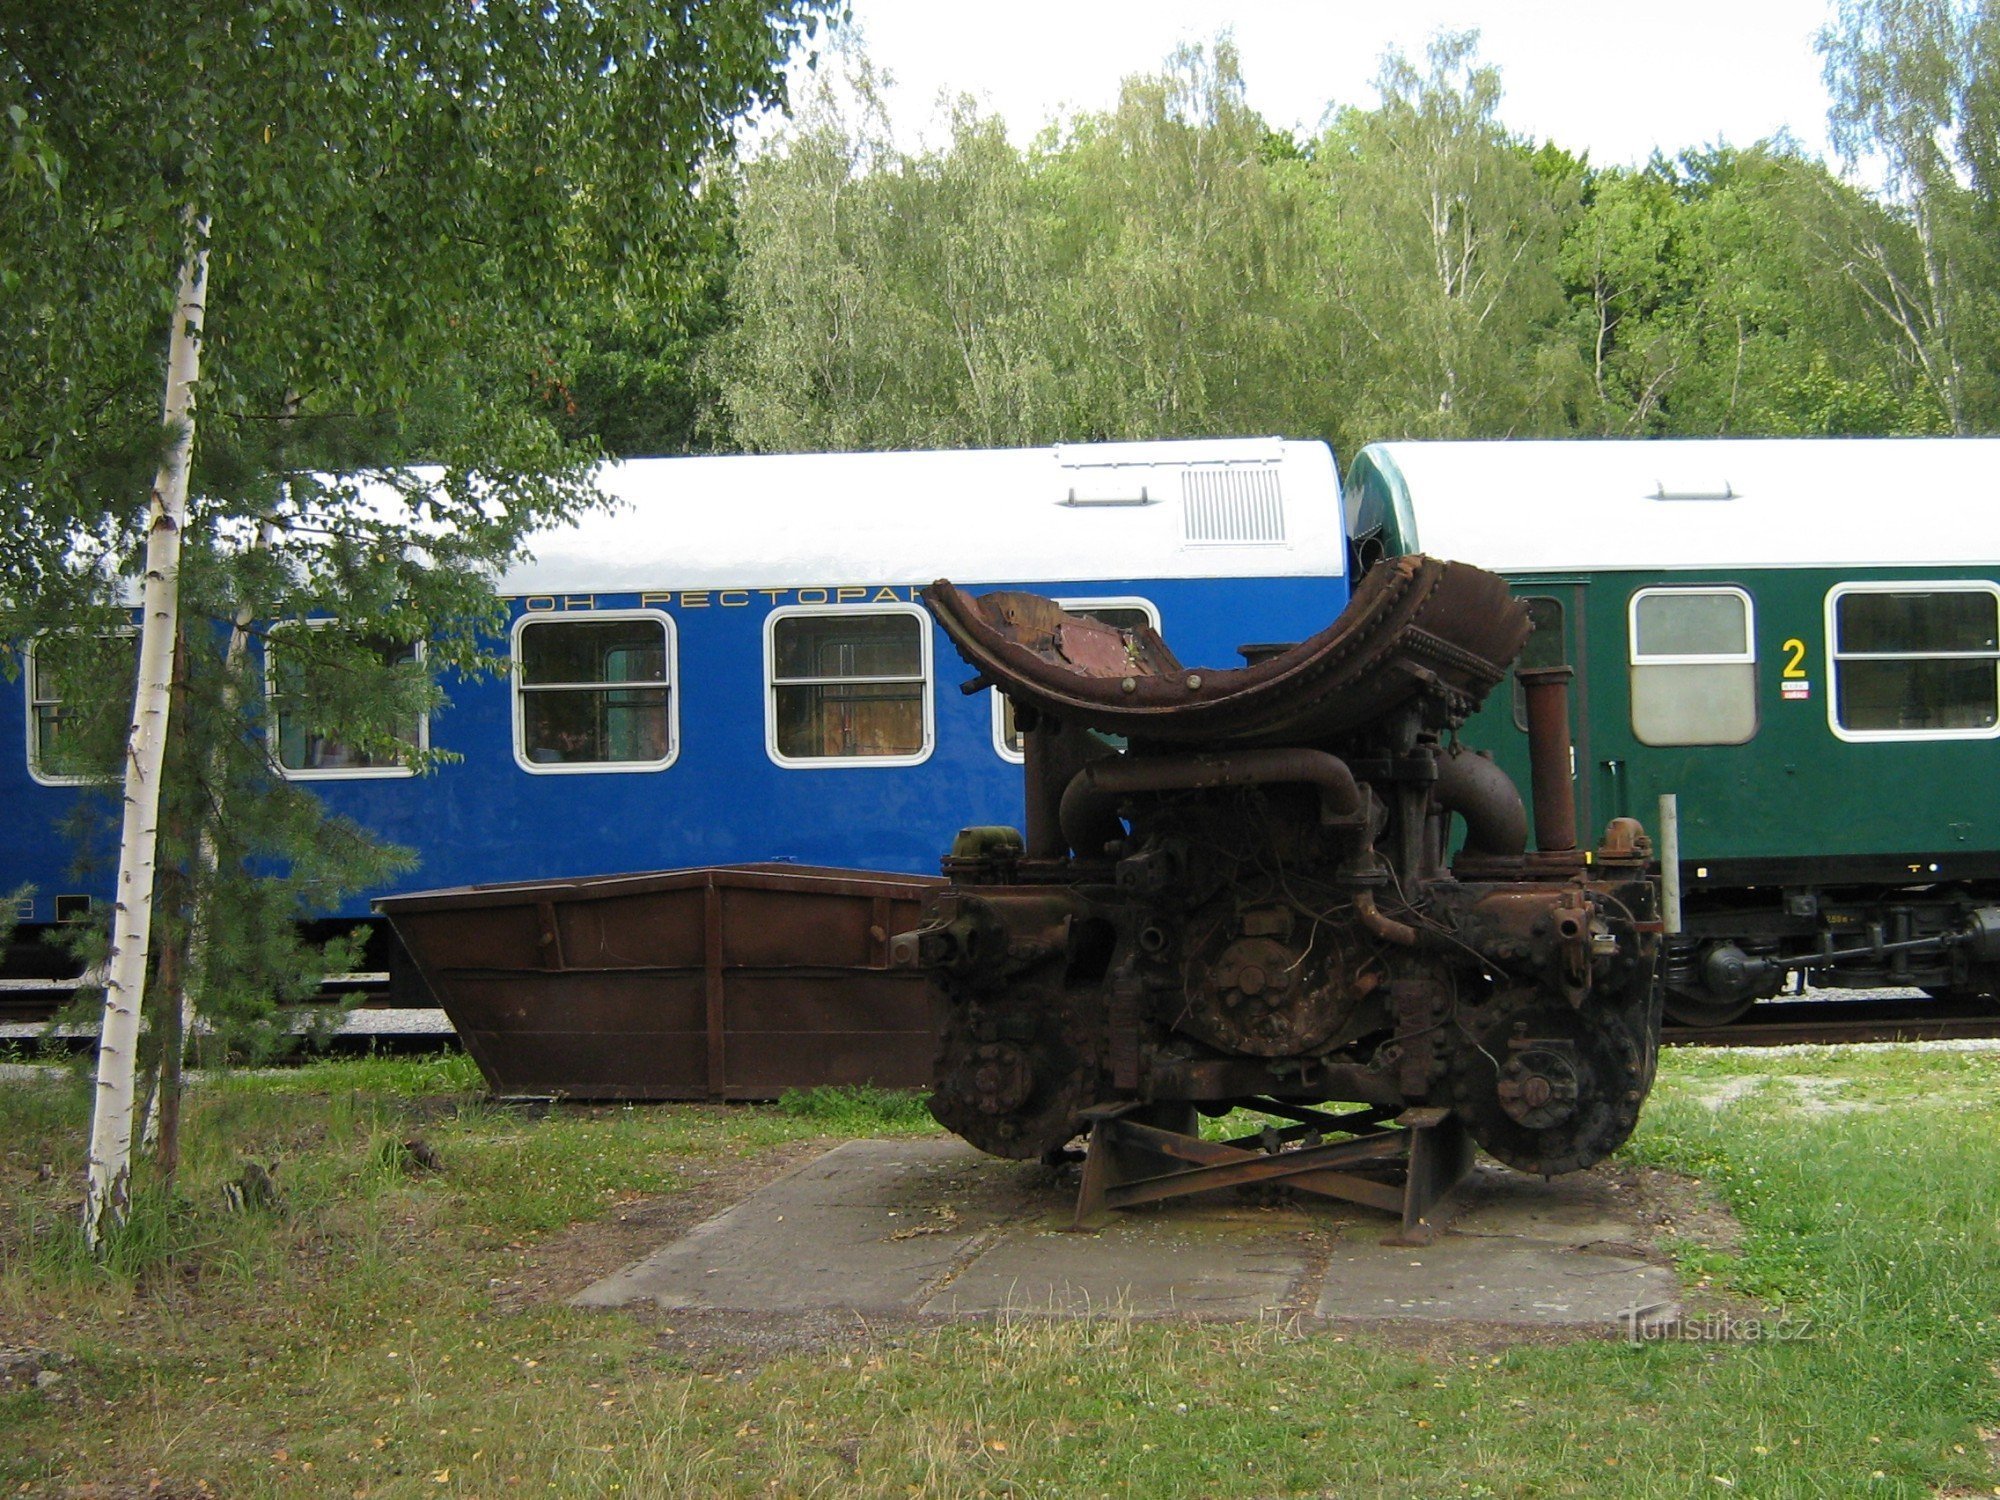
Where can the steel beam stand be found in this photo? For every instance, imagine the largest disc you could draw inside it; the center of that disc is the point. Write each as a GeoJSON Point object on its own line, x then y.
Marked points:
{"type": "Point", "coordinates": [1407, 1166]}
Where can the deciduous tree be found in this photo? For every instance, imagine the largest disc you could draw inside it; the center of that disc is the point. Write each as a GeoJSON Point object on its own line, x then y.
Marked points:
{"type": "Point", "coordinates": [1440, 252]}
{"type": "Point", "coordinates": [1916, 92]}
{"type": "Point", "coordinates": [397, 207]}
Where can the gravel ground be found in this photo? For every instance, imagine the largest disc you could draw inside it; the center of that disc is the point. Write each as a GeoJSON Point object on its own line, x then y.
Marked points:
{"type": "Point", "coordinates": [385, 1022]}
{"type": "Point", "coordinates": [1784, 1049]}
{"type": "Point", "coordinates": [1816, 994]}
{"type": "Point", "coordinates": [363, 1022]}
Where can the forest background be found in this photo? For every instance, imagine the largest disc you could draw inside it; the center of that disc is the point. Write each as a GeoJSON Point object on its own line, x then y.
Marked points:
{"type": "Point", "coordinates": [1175, 267]}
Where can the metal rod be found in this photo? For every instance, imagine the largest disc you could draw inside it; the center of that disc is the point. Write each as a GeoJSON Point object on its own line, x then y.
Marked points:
{"type": "Point", "coordinates": [1670, 862]}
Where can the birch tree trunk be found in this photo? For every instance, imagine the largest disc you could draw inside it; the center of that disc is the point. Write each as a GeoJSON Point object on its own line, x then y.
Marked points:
{"type": "Point", "coordinates": [172, 1008]}
{"type": "Point", "coordinates": [107, 1195]}
{"type": "Point", "coordinates": [179, 1000]}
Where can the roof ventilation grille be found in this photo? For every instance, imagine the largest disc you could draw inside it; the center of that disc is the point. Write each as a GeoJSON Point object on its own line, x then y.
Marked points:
{"type": "Point", "coordinates": [1232, 504]}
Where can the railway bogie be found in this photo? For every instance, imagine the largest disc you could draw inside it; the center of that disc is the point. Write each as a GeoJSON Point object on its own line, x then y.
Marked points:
{"type": "Point", "coordinates": [1256, 898]}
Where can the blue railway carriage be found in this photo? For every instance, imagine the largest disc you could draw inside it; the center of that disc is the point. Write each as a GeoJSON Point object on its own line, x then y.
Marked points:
{"type": "Point", "coordinates": [1797, 639]}
{"type": "Point", "coordinates": [730, 662]}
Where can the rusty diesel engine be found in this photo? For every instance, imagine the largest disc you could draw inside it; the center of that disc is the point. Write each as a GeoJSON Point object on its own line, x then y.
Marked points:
{"type": "Point", "coordinates": [1250, 894]}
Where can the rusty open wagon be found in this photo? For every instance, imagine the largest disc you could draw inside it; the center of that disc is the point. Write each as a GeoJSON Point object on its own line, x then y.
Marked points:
{"type": "Point", "coordinates": [723, 982]}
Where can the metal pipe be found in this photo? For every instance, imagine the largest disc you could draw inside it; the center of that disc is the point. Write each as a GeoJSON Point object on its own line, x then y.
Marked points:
{"type": "Point", "coordinates": [1088, 818]}
{"type": "Point", "coordinates": [1043, 834]}
{"type": "Point", "coordinates": [1670, 862]}
{"type": "Point", "coordinates": [1547, 691]}
{"type": "Point", "coordinates": [1088, 792]}
{"type": "Point", "coordinates": [1386, 928]}
{"type": "Point", "coordinates": [1055, 751]}
{"type": "Point", "coordinates": [1496, 820]}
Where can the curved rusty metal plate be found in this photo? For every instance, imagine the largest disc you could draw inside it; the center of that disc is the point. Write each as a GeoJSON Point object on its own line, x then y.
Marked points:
{"type": "Point", "coordinates": [1417, 629]}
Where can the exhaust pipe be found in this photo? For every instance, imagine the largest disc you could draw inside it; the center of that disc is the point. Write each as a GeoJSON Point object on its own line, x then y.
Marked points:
{"type": "Point", "coordinates": [1549, 757]}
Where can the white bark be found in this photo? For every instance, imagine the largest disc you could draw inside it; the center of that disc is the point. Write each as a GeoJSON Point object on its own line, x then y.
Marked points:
{"type": "Point", "coordinates": [107, 1196]}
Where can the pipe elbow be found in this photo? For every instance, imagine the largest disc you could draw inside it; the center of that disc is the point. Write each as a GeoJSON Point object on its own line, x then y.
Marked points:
{"type": "Point", "coordinates": [1388, 929]}
{"type": "Point", "coordinates": [1496, 819]}
{"type": "Point", "coordinates": [1088, 815]}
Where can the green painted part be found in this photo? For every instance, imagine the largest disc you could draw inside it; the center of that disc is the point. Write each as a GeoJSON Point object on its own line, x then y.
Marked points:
{"type": "Point", "coordinates": [1378, 504]}
{"type": "Point", "coordinates": [1794, 789]}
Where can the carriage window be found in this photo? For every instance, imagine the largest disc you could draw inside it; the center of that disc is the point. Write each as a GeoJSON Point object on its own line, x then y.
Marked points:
{"type": "Point", "coordinates": [1545, 648]}
{"type": "Point", "coordinates": [1915, 663]}
{"type": "Point", "coordinates": [594, 693]}
{"type": "Point", "coordinates": [1694, 667]}
{"type": "Point", "coordinates": [849, 685]}
{"type": "Point", "coordinates": [1125, 614]}
{"type": "Point", "coordinates": [303, 689]}
{"type": "Point", "coordinates": [79, 704]}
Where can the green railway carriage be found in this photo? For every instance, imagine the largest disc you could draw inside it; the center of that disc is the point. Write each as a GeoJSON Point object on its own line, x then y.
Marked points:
{"type": "Point", "coordinates": [1799, 639]}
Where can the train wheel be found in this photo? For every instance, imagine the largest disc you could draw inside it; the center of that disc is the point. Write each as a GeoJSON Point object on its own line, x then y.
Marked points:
{"type": "Point", "coordinates": [1684, 1009]}
{"type": "Point", "coordinates": [1547, 1088]}
{"type": "Point", "coordinates": [1012, 1084]}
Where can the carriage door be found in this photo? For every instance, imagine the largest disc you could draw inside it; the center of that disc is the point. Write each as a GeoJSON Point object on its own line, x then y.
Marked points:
{"type": "Point", "coordinates": [1557, 610]}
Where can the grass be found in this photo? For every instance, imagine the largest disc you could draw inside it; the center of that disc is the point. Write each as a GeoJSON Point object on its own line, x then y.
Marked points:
{"type": "Point", "coordinates": [859, 1111]}
{"type": "Point", "coordinates": [384, 1335]}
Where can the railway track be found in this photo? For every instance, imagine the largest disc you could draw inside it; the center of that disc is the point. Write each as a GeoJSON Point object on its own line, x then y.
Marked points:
{"type": "Point", "coordinates": [1787, 1023]}
{"type": "Point", "coordinates": [1818, 1021]}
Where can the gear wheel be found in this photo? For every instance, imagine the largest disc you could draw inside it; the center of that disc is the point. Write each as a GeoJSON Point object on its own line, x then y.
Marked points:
{"type": "Point", "coordinates": [1549, 1089]}
{"type": "Point", "coordinates": [1012, 1084]}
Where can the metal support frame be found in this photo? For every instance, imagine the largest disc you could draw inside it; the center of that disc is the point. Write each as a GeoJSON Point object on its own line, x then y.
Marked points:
{"type": "Point", "coordinates": [1406, 1166]}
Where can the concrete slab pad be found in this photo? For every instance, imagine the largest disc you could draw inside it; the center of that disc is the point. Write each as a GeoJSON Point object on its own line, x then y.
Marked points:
{"type": "Point", "coordinates": [933, 1228]}
{"type": "Point", "coordinates": [1582, 1209]}
{"type": "Point", "coordinates": [1493, 1280]}
{"type": "Point", "coordinates": [1189, 1264]}
{"type": "Point", "coordinates": [827, 1235]}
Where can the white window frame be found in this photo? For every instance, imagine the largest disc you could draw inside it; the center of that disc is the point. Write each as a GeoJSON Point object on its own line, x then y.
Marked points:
{"type": "Point", "coordinates": [846, 762]}
{"type": "Point", "coordinates": [1634, 659]}
{"type": "Point", "coordinates": [274, 642]}
{"type": "Point", "coordinates": [1834, 656]}
{"type": "Point", "coordinates": [999, 708]}
{"type": "Point", "coordinates": [516, 693]}
{"type": "Point", "coordinates": [32, 741]}
{"type": "Point", "coordinates": [1747, 657]}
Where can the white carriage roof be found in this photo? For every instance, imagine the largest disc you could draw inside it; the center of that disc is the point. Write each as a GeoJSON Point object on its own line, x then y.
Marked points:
{"type": "Point", "coordinates": [1236, 507]}
{"type": "Point", "coordinates": [1581, 505]}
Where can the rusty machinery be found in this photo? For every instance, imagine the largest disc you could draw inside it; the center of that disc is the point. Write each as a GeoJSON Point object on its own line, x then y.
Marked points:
{"type": "Point", "coordinates": [1255, 903]}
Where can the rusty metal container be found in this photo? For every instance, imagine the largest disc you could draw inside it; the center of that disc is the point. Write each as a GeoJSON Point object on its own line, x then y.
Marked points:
{"type": "Point", "coordinates": [724, 982]}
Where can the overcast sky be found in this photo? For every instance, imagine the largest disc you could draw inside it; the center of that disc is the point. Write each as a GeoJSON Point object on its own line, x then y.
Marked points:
{"type": "Point", "coordinates": [1614, 77]}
